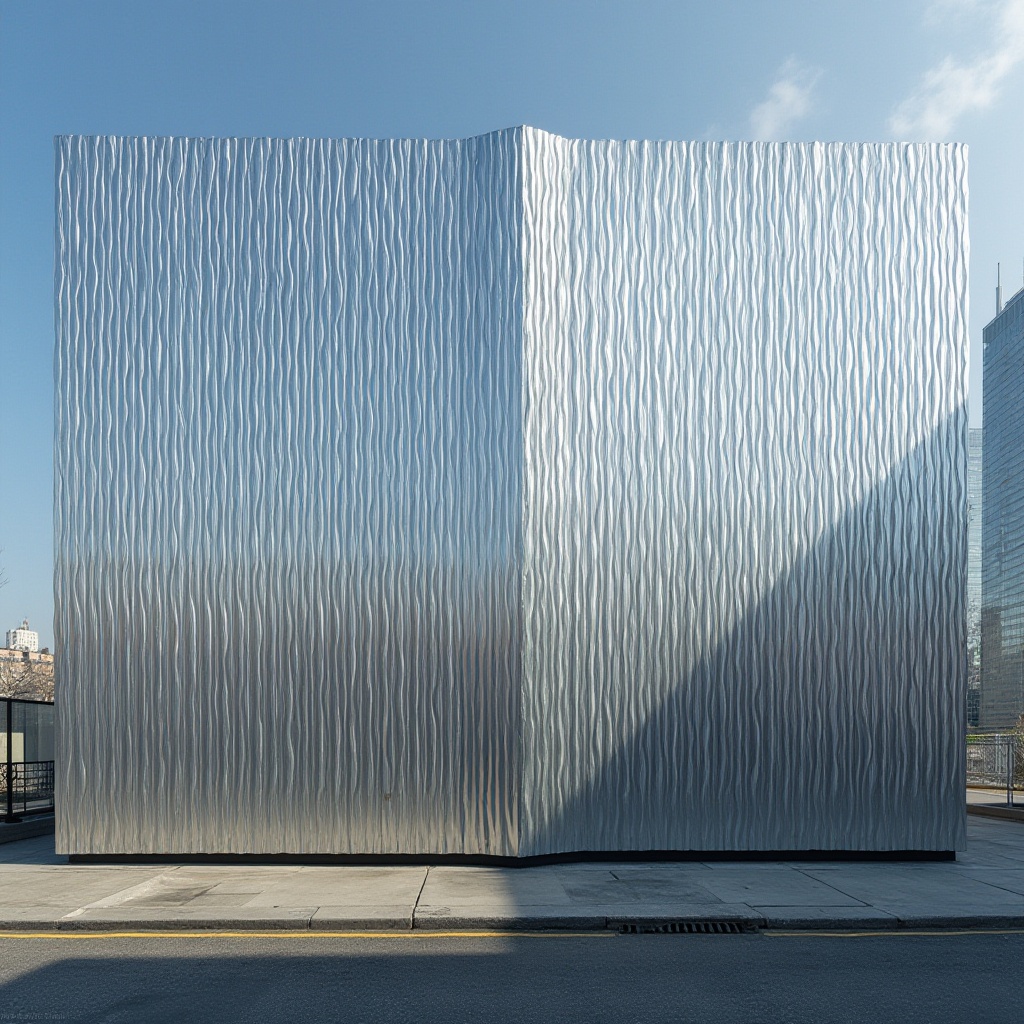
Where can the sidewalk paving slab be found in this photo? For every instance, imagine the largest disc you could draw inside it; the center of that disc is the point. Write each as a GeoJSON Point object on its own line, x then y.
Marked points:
{"type": "Point", "coordinates": [984, 888]}
{"type": "Point", "coordinates": [356, 886]}
{"type": "Point", "coordinates": [777, 888]}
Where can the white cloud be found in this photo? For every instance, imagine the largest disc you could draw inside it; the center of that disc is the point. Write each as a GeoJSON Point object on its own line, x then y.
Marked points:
{"type": "Point", "coordinates": [938, 13]}
{"type": "Point", "coordinates": [788, 100]}
{"type": "Point", "coordinates": [954, 88]}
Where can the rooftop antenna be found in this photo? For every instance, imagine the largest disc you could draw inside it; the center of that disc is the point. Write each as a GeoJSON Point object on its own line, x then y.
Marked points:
{"type": "Point", "coordinates": [999, 292]}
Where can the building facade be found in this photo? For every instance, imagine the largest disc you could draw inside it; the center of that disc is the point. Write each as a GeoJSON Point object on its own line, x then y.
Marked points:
{"type": "Point", "coordinates": [623, 480]}
{"type": "Point", "coordinates": [22, 638]}
{"type": "Point", "coordinates": [974, 568]}
{"type": "Point", "coordinates": [1002, 641]}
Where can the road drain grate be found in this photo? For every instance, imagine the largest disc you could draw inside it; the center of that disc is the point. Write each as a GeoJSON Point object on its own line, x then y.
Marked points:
{"type": "Point", "coordinates": [685, 928]}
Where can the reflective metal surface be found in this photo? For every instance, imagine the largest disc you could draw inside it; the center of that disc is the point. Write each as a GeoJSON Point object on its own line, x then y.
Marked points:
{"type": "Point", "coordinates": [744, 527]}
{"type": "Point", "coordinates": [288, 494]}
{"type": "Point", "coordinates": [512, 495]}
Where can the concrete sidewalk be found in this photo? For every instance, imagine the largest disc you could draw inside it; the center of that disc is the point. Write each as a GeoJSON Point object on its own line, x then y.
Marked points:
{"type": "Point", "coordinates": [984, 887]}
{"type": "Point", "coordinates": [991, 803]}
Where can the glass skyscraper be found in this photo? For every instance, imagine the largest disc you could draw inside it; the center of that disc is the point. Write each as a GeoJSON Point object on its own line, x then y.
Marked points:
{"type": "Point", "coordinates": [1002, 614]}
{"type": "Point", "coordinates": [974, 507]}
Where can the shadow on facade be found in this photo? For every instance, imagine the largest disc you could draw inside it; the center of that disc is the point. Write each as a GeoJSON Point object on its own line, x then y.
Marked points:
{"type": "Point", "coordinates": [830, 718]}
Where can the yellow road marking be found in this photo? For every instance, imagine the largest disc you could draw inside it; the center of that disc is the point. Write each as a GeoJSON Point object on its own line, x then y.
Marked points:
{"type": "Point", "coordinates": [307, 933]}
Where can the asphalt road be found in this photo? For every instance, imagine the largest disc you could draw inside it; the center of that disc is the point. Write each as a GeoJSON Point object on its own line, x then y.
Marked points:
{"type": "Point", "coordinates": [585, 978]}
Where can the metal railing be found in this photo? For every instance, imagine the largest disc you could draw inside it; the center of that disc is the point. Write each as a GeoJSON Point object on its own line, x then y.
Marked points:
{"type": "Point", "coordinates": [990, 762]}
{"type": "Point", "coordinates": [26, 760]}
{"type": "Point", "coordinates": [31, 789]}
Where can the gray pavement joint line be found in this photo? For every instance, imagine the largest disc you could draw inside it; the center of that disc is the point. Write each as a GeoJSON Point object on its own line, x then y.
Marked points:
{"type": "Point", "coordinates": [834, 888]}
{"type": "Point", "coordinates": [416, 904]}
{"type": "Point", "coordinates": [992, 885]}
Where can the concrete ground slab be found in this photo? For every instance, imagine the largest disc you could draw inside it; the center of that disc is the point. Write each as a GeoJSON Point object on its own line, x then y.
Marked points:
{"type": "Point", "coordinates": [1002, 877]}
{"type": "Point", "coordinates": [984, 888]}
{"type": "Point", "coordinates": [522, 887]}
{"type": "Point", "coordinates": [674, 884]}
{"type": "Point", "coordinates": [71, 890]}
{"type": "Point", "coordinates": [165, 889]}
{"type": "Point", "coordinates": [343, 886]}
{"type": "Point", "coordinates": [901, 887]}
{"type": "Point", "coordinates": [36, 851]}
{"type": "Point", "coordinates": [744, 883]}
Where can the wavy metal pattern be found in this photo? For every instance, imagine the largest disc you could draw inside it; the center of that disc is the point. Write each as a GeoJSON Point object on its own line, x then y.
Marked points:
{"type": "Point", "coordinates": [511, 495]}
{"type": "Point", "coordinates": [744, 494]}
{"type": "Point", "coordinates": [288, 494]}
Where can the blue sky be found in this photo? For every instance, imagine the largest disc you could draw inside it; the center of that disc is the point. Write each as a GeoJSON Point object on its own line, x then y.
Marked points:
{"type": "Point", "coordinates": [789, 69]}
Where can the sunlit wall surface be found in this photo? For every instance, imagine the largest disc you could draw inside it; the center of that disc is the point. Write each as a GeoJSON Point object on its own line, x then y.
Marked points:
{"type": "Point", "coordinates": [1002, 638]}
{"type": "Point", "coordinates": [289, 393]}
{"type": "Point", "coordinates": [511, 496]}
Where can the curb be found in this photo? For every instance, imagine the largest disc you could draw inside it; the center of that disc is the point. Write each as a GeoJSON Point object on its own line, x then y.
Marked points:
{"type": "Point", "coordinates": [584, 923]}
{"type": "Point", "coordinates": [992, 811]}
{"type": "Point", "coordinates": [27, 829]}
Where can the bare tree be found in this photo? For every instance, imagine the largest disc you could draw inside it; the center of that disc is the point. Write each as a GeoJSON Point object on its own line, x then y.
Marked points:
{"type": "Point", "coordinates": [21, 676]}
{"type": "Point", "coordinates": [24, 678]}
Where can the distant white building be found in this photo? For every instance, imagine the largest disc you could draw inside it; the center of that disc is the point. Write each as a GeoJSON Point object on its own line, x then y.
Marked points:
{"type": "Point", "coordinates": [23, 638]}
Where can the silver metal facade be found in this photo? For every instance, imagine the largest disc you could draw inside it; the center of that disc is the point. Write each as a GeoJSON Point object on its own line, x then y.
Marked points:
{"type": "Point", "coordinates": [288, 495]}
{"type": "Point", "coordinates": [513, 495]}
{"type": "Point", "coordinates": [1002, 610]}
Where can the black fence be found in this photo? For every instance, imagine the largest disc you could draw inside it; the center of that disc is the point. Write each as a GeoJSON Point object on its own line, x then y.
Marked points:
{"type": "Point", "coordinates": [31, 791]}
{"type": "Point", "coordinates": [26, 757]}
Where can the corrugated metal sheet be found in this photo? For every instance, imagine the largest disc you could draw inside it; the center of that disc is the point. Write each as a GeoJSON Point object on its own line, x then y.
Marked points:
{"type": "Point", "coordinates": [288, 495]}
{"type": "Point", "coordinates": [511, 495]}
{"type": "Point", "coordinates": [744, 526]}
